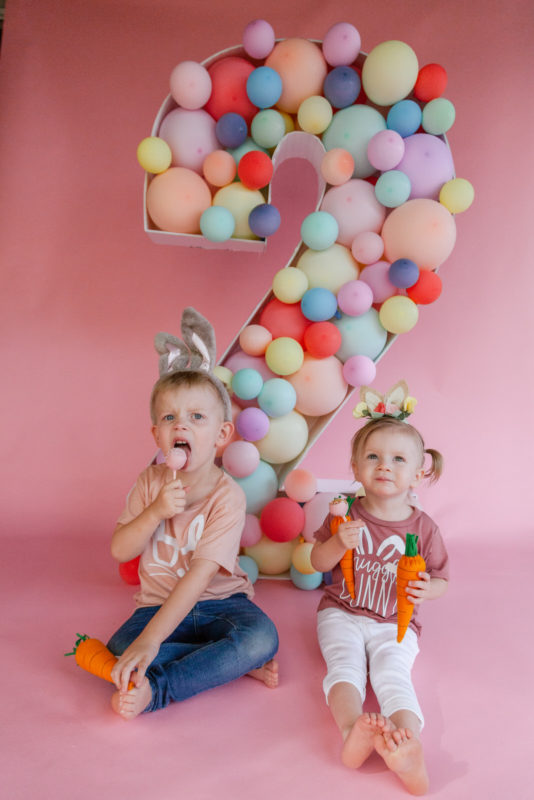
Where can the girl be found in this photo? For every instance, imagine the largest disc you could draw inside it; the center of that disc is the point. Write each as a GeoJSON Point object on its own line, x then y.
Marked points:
{"type": "Point", "coordinates": [360, 634]}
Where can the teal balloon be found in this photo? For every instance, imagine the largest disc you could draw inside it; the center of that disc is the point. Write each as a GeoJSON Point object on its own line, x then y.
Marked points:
{"type": "Point", "coordinates": [393, 188]}
{"type": "Point", "coordinates": [277, 397]}
{"type": "Point", "coordinates": [217, 224]}
{"type": "Point", "coordinates": [360, 336]}
{"type": "Point", "coordinates": [268, 128]}
{"type": "Point", "coordinates": [249, 566]}
{"type": "Point", "coordinates": [352, 129]}
{"type": "Point", "coordinates": [260, 487]}
{"type": "Point", "coordinates": [319, 230]}
{"type": "Point", "coordinates": [310, 581]}
{"type": "Point", "coordinates": [247, 383]}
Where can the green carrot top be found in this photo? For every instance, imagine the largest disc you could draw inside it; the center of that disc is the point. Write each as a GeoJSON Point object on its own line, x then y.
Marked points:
{"type": "Point", "coordinates": [411, 545]}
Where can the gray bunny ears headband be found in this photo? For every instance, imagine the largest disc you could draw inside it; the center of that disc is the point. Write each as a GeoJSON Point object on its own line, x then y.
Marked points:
{"type": "Point", "coordinates": [196, 353]}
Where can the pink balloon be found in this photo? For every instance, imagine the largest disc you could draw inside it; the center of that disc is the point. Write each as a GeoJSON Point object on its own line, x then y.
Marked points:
{"type": "Point", "coordinates": [191, 137]}
{"type": "Point", "coordinates": [258, 39]}
{"type": "Point", "coordinates": [385, 150]}
{"type": "Point", "coordinates": [300, 485]}
{"type": "Point", "coordinates": [359, 370]}
{"type": "Point", "coordinates": [377, 278]}
{"type": "Point", "coordinates": [356, 209]}
{"type": "Point", "coordinates": [240, 360]}
{"type": "Point", "coordinates": [190, 84]}
{"type": "Point", "coordinates": [367, 247]}
{"type": "Point", "coordinates": [341, 44]}
{"type": "Point", "coordinates": [355, 298]}
{"type": "Point", "coordinates": [240, 459]}
{"type": "Point", "coordinates": [251, 532]}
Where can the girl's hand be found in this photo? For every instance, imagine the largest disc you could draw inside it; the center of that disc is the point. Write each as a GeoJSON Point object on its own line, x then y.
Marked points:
{"type": "Point", "coordinates": [171, 499]}
{"type": "Point", "coordinates": [349, 534]}
{"type": "Point", "coordinates": [133, 663]}
{"type": "Point", "coordinates": [418, 591]}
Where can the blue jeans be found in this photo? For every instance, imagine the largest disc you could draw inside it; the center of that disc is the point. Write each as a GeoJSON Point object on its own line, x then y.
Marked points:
{"type": "Point", "coordinates": [218, 641]}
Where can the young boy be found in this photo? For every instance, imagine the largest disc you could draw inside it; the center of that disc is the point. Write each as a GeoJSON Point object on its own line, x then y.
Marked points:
{"type": "Point", "coordinates": [195, 626]}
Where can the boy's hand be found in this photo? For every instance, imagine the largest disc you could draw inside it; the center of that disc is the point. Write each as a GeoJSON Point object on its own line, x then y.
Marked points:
{"type": "Point", "coordinates": [418, 591]}
{"type": "Point", "coordinates": [349, 534]}
{"type": "Point", "coordinates": [133, 663]}
{"type": "Point", "coordinates": [171, 499]}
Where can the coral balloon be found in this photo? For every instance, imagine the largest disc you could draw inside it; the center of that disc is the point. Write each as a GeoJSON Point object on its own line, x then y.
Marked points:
{"type": "Point", "coordinates": [337, 166]}
{"type": "Point", "coordinates": [219, 168]}
{"type": "Point", "coordinates": [319, 384]}
{"type": "Point", "coordinates": [284, 320]}
{"type": "Point", "coordinates": [282, 519]}
{"type": "Point", "coordinates": [229, 93]}
{"type": "Point", "coordinates": [431, 82]}
{"type": "Point", "coordinates": [176, 200]}
{"type": "Point", "coordinates": [129, 571]}
{"type": "Point", "coordinates": [302, 68]}
{"type": "Point", "coordinates": [300, 485]}
{"type": "Point", "coordinates": [421, 230]}
{"type": "Point", "coordinates": [255, 169]}
{"type": "Point", "coordinates": [427, 289]}
{"type": "Point", "coordinates": [322, 339]}
{"type": "Point", "coordinates": [254, 339]}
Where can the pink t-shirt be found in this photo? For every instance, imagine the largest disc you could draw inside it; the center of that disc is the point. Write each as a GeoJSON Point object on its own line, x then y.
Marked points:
{"type": "Point", "coordinates": [208, 529]}
{"type": "Point", "coordinates": [375, 564]}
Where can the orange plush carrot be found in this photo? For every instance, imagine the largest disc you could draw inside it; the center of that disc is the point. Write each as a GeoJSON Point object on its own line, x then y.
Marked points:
{"type": "Point", "coordinates": [410, 564]}
{"type": "Point", "coordinates": [93, 656]}
{"type": "Point", "coordinates": [339, 508]}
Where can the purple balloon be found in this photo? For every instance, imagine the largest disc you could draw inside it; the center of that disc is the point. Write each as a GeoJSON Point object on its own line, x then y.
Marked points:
{"type": "Point", "coordinates": [355, 298]}
{"type": "Point", "coordinates": [428, 163]}
{"type": "Point", "coordinates": [252, 424]}
{"type": "Point", "coordinates": [231, 130]}
{"type": "Point", "coordinates": [264, 220]}
{"type": "Point", "coordinates": [403, 273]}
{"type": "Point", "coordinates": [342, 86]}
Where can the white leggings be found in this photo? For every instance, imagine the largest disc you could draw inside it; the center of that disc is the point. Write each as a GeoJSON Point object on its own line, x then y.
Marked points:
{"type": "Point", "coordinates": [348, 642]}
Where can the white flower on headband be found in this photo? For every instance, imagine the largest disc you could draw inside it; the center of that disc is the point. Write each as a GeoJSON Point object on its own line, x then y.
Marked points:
{"type": "Point", "coordinates": [396, 403]}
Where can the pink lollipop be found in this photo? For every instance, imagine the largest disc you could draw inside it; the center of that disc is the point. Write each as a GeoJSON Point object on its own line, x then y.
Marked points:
{"type": "Point", "coordinates": [176, 459]}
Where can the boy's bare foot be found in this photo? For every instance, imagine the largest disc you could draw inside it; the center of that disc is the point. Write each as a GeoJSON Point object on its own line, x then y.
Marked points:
{"type": "Point", "coordinates": [131, 703]}
{"type": "Point", "coordinates": [403, 754]}
{"type": "Point", "coordinates": [359, 740]}
{"type": "Point", "coordinates": [268, 674]}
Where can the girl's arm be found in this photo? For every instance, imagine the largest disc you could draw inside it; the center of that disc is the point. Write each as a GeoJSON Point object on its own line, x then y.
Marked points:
{"type": "Point", "coordinates": [325, 555]}
{"type": "Point", "coordinates": [179, 603]}
{"type": "Point", "coordinates": [426, 588]}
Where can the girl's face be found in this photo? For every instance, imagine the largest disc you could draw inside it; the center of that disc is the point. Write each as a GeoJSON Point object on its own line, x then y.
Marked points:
{"type": "Point", "coordinates": [389, 464]}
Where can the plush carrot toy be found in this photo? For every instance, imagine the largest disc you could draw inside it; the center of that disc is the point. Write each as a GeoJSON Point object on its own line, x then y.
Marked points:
{"type": "Point", "coordinates": [339, 509]}
{"type": "Point", "coordinates": [410, 564]}
{"type": "Point", "coordinates": [93, 656]}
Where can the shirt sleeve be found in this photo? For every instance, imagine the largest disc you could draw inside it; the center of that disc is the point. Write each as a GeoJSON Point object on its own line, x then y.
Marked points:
{"type": "Point", "coordinates": [437, 558]}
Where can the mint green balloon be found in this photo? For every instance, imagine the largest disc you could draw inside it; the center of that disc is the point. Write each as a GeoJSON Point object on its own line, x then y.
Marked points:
{"type": "Point", "coordinates": [319, 230]}
{"type": "Point", "coordinates": [393, 188]}
{"type": "Point", "coordinates": [352, 129]}
{"type": "Point", "coordinates": [438, 116]}
{"type": "Point", "coordinates": [268, 128]}
{"type": "Point", "coordinates": [360, 336]}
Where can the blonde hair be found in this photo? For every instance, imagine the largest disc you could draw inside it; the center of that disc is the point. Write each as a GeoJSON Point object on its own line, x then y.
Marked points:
{"type": "Point", "coordinates": [173, 380]}
{"type": "Point", "coordinates": [390, 423]}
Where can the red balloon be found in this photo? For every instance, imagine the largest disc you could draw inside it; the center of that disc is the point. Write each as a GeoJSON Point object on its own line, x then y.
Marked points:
{"type": "Point", "coordinates": [229, 88]}
{"type": "Point", "coordinates": [129, 571]}
{"type": "Point", "coordinates": [431, 82]}
{"type": "Point", "coordinates": [282, 519]}
{"type": "Point", "coordinates": [284, 319]}
{"type": "Point", "coordinates": [255, 169]}
{"type": "Point", "coordinates": [322, 339]}
{"type": "Point", "coordinates": [427, 289]}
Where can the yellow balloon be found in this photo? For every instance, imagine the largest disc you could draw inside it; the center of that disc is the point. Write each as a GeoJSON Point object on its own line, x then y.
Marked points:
{"type": "Point", "coordinates": [239, 201]}
{"type": "Point", "coordinates": [288, 121]}
{"type": "Point", "coordinates": [154, 154]}
{"type": "Point", "coordinates": [301, 558]}
{"type": "Point", "coordinates": [284, 355]}
{"type": "Point", "coordinates": [224, 375]}
{"type": "Point", "coordinates": [389, 72]}
{"type": "Point", "coordinates": [315, 114]}
{"type": "Point", "coordinates": [286, 439]}
{"type": "Point", "coordinates": [457, 195]}
{"type": "Point", "coordinates": [289, 284]}
{"type": "Point", "coordinates": [272, 558]}
{"type": "Point", "coordinates": [330, 268]}
{"type": "Point", "coordinates": [398, 314]}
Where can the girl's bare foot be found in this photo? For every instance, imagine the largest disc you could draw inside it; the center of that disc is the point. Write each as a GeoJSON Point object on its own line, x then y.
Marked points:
{"type": "Point", "coordinates": [403, 754]}
{"type": "Point", "coordinates": [131, 703]}
{"type": "Point", "coordinates": [268, 674]}
{"type": "Point", "coordinates": [359, 740]}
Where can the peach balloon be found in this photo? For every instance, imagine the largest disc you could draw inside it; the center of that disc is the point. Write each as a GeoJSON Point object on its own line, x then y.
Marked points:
{"type": "Point", "coordinates": [255, 339]}
{"type": "Point", "coordinates": [219, 168]}
{"type": "Point", "coordinates": [337, 166]}
{"type": "Point", "coordinates": [300, 485]}
{"type": "Point", "coordinates": [302, 67]}
{"type": "Point", "coordinates": [421, 230]}
{"type": "Point", "coordinates": [319, 384]}
{"type": "Point", "coordinates": [176, 199]}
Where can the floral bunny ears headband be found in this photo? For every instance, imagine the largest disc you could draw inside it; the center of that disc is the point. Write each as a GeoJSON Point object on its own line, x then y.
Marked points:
{"type": "Point", "coordinates": [196, 353]}
{"type": "Point", "coordinates": [395, 403]}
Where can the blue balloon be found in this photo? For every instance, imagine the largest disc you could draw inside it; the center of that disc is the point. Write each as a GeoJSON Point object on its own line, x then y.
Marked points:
{"type": "Point", "coordinates": [310, 581]}
{"type": "Point", "coordinates": [361, 336]}
{"type": "Point", "coordinates": [264, 87]}
{"type": "Point", "coordinates": [404, 117]}
{"type": "Point", "coordinates": [403, 273]}
{"type": "Point", "coordinates": [249, 566]}
{"type": "Point", "coordinates": [318, 304]}
{"type": "Point", "coordinates": [277, 397]}
{"type": "Point", "coordinates": [247, 383]}
{"type": "Point", "coordinates": [342, 86]}
{"type": "Point", "coordinates": [259, 487]}
{"type": "Point", "coordinates": [264, 220]}
{"type": "Point", "coordinates": [231, 130]}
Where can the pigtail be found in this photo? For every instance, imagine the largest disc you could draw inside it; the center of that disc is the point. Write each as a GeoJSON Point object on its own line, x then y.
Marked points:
{"type": "Point", "coordinates": [436, 467]}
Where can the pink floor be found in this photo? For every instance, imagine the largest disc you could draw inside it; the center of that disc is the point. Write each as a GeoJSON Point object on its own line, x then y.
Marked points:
{"type": "Point", "coordinates": [61, 740]}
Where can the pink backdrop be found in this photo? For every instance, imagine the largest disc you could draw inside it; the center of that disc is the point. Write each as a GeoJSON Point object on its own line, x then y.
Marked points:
{"type": "Point", "coordinates": [84, 290]}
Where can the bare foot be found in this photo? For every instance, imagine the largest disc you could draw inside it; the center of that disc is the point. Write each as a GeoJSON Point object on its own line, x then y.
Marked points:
{"type": "Point", "coordinates": [403, 754]}
{"type": "Point", "coordinates": [268, 674]}
{"type": "Point", "coordinates": [131, 703]}
{"type": "Point", "coordinates": [359, 740]}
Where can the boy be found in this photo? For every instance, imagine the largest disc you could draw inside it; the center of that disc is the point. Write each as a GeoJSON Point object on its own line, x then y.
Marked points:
{"type": "Point", "coordinates": [195, 626]}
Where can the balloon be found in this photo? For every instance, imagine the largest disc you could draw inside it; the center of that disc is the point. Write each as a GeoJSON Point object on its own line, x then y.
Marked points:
{"type": "Point", "coordinates": [217, 224]}
{"type": "Point", "coordinates": [318, 304]}
{"type": "Point", "coordinates": [255, 169]}
{"type": "Point", "coordinates": [341, 44]}
{"type": "Point", "coordinates": [457, 195]}
{"type": "Point", "coordinates": [272, 558]}
{"type": "Point", "coordinates": [361, 336]}
{"type": "Point", "coordinates": [190, 135]}
{"type": "Point", "coordinates": [277, 397]}
{"type": "Point", "coordinates": [300, 485]}
{"type": "Point", "coordinates": [315, 511]}
{"type": "Point", "coordinates": [337, 166]}
{"type": "Point", "coordinates": [438, 116]}
{"type": "Point", "coordinates": [231, 129]}
{"type": "Point", "coordinates": [248, 146]}
{"type": "Point", "coordinates": [176, 199]}
{"type": "Point", "coordinates": [259, 487]}
{"type": "Point", "coordinates": [328, 269]}
{"type": "Point", "coordinates": [301, 558]}
{"type": "Point", "coordinates": [254, 339]}
{"type": "Point", "coordinates": [229, 93]}
{"type": "Point", "coordinates": [284, 355]}
{"type": "Point", "coordinates": [306, 582]}
{"type": "Point", "coordinates": [359, 371]}
{"type": "Point", "coordinates": [385, 150]}
{"type": "Point", "coordinates": [431, 82]}
{"type": "Point", "coordinates": [268, 128]}
{"type": "Point", "coordinates": [249, 566]}
{"type": "Point", "coordinates": [282, 519]}
{"type": "Point", "coordinates": [404, 117]}
{"type": "Point", "coordinates": [393, 188]}
{"type": "Point", "coordinates": [129, 571]}
{"type": "Point", "coordinates": [367, 247]}
{"type": "Point", "coordinates": [247, 383]}
{"type": "Point", "coordinates": [389, 72]}
{"type": "Point", "coordinates": [224, 375]}
{"type": "Point", "coordinates": [252, 424]}
{"type": "Point", "coordinates": [342, 86]}
{"type": "Point", "coordinates": [289, 284]}
{"type": "Point", "coordinates": [314, 114]}
{"type": "Point", "coordinates": [319, 384]}
{"type": "Point", "coordinates": [427, 289]}
{"type": "Point", "coordinates": [264, 87]}
{"type": "Point", "coordinates": [264, 220]}
{"type": "Point", "coordinates": [219, 168]}
{"type": "Point", "coordinates": [240, 459]}
{"type": "Point", "coordinates": [428, 163]}
{"type": "Point", "coordinates": [403, 273]}
{"type": "Point", "coordinates": [398, 314]}
{"type": "Point", "coordinates": [251, 531]}
{"type": "Point", "coordinates": [355, 298]}
{"type": "Point", "coordinates": [352, 129]}
{"type": "Point", "coordinates": [301, 67]}
{"type": "Point", "coordinates": [376, 276]}
{"type": "Point", "coordinates": [322, 339]}
{"type": "Point", "coordinates": [154, 154]}
{"type": "Point", "coordinates": [319, 230]}
{"type": "Point", "coordinates": [284, 320]}
{"type": "Point", "coordinates": [356, 209]}
{"type": "Point", "coordinates": [421, 230]}
{"type": "Point", "coordinates": [258, 39]}
{"type": "Point", "coordinates": [286, 439]}
{"type": "Point", "coordinates": [240, 201]}
{"type": "Point", "coordinates": [240, 360]}
{"type": "Point", "coordinates": [190, 85]}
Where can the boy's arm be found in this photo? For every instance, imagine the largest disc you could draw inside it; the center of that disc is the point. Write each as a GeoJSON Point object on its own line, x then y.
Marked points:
{"type": "Point", "coordinates": [179, 603]}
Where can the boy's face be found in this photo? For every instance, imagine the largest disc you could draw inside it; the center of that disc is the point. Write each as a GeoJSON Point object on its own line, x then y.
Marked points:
{"type": "Point", "coordinates": [191, 417]}
{"type": "Point", "coordinates": [388, 464]}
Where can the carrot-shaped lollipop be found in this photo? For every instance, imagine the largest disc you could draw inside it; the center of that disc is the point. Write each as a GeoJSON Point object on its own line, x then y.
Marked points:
{"type": "Point", "coordinates": [339, 509]}
{"type": "Point", "coordinates": [93, 656]}
{"type": "Point", "coordinates": [410, 564]}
